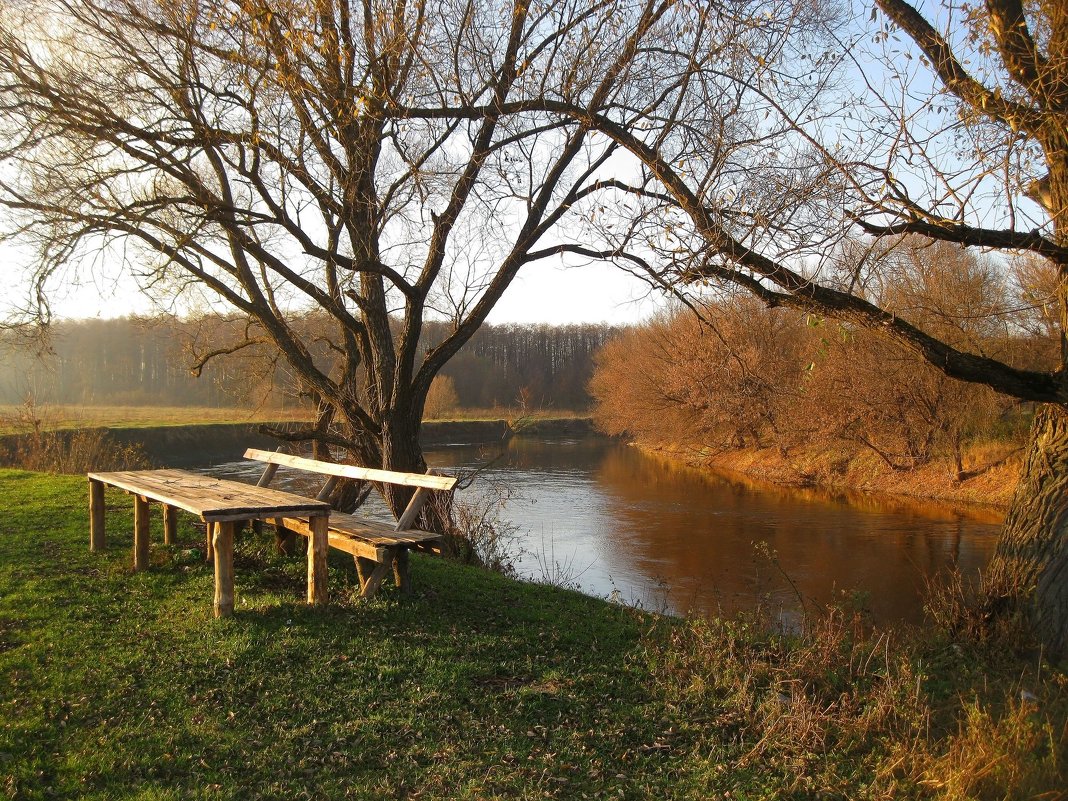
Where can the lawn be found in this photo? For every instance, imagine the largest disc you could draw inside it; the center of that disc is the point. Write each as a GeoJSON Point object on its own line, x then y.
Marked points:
{"type": "Point", "coordinates": [115, 685]}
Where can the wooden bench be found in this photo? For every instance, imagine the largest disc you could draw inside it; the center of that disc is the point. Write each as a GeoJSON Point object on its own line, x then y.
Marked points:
{"type": "Point", "coordinates": [374, 546]}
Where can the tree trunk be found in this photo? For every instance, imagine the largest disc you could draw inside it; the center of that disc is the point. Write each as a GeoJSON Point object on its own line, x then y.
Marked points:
{"type": "Point", "coordinates": [402, 452]}
{"type": "Point", "coordinates": [1031, 562]}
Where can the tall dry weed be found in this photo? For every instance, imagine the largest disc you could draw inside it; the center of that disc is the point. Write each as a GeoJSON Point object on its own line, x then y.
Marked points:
{"type": "Point", "coordinates": [45, 445]}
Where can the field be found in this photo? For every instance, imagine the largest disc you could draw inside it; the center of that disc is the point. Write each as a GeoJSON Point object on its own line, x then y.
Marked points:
{"type": "Point", "coordinates": [120, 686]}
{"type": "Point", "coordinates": [16, 419]}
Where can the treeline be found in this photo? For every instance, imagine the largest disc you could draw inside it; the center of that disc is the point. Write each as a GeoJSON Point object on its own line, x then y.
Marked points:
{"type": "Point", "coordinates": [164, 361]}
{"type": "Point", "coordinates": [745, 375]}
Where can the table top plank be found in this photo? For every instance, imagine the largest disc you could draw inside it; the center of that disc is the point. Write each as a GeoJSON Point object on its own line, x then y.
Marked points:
{"type": "Point", "coordinates": [213, 499]}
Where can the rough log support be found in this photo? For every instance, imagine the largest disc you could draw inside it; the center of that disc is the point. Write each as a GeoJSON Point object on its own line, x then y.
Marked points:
{"type": "Point", "coordinates": [170, 524]}
{"type": "Point", "coordinates": [402, 571]}
{"type": "Point", "coordinates": [378, 575]}
{"type": "Point", "coordinates": [317, 556]}
{"type": "Point", "coordinates": [364, 568]}
{"type": "Point", "coordinates": [285, 540]}
{"type": "Point", "coordinates": [140, 544]}
{"type": "Point", "coordinates": [209, 545]}
{"type": "Point", "coordinates": [97, 539]}
{"type": "Point", "coordinates": [223, 548]}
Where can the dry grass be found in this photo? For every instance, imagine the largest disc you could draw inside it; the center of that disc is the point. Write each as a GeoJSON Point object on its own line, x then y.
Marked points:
{"type": "Point", "coordinates": [72, 452]}
{"type": "Point", "coordinates": [908, 714]}
{"type": "Point", "coordinates": [60, 416]}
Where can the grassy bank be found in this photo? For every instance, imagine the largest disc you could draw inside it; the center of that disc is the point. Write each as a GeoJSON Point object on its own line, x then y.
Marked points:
{"type": "Point", "coordinates": [123, 686]}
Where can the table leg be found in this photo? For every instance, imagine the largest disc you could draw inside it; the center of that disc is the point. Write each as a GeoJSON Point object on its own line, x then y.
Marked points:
{"type": "Point", "coordinates": [140, 554]}
{"type": "Point", "coordinates": [209, 546]}
{"type": "Point", "coordinates": [317, 552]}
{"type": "Point", "coordinates": [170, 524]}
{"type": "Point", "coordinates": [97, 540]}
{"type": "Point", "coordinates": [223, 547]}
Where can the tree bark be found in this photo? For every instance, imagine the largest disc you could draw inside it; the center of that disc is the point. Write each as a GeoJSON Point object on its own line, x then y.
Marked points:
{"type": "Point", "coordinates": [1031, 561]}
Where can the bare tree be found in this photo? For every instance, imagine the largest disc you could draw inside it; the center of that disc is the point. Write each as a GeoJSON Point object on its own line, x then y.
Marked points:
{"type": "Point", "coordinates": [251, 150]}
{"type": "Point", "coordinates": [758, 160]}
{"type": "Point", "coordinates": [968, 153]}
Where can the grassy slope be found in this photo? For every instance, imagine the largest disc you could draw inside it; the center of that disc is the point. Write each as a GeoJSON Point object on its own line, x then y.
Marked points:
{"type": "Point", "coordinates": [115, 685]}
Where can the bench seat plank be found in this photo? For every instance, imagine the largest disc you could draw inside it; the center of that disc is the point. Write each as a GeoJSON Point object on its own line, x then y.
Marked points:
{"type": "Point", "coordinates": [366, 538]}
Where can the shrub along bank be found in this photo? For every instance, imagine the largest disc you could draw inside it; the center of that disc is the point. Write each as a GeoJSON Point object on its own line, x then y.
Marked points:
{"type": "Point", "coordinates": [119, 686]}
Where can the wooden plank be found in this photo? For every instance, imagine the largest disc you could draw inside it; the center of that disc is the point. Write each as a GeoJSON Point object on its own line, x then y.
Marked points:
{"type": "Point", "coordinates": [268, 475]}
{"type": "Point", "coordinates": [97, 538]}
{"type": "Point", "coordinates": [378, 575]}
{"type": "Point", "coordinates": [210, 498]}
{"type": "Point", "coordinates": [317, 555]}
{"type": "Point", "coordinates": [140, 546]}
{"type": "Point", "coordinates": [427, 480]}
{"type": "Point", "coordinates": [341, 542]}
{"type": "Point", "coordinates": [170, 524]}
{"type": "Point", "coordinates": [223, 545]}
{"type": "Point", "coordinates": [411, 511]}
{"type": "Point", "coordinates": [328, 487]}
{"type": "Point", "coordinates": [364, 569]}
{"type": "Point", "coordinates": [372, 530]}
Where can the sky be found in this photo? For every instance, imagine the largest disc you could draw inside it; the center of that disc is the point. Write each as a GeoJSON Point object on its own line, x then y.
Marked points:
{"type": "Point", "coordinates": [543, 292]}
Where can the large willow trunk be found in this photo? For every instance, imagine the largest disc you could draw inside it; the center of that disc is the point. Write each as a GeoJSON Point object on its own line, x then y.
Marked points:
{"type": "Point", "coordinates": [1031, 562]}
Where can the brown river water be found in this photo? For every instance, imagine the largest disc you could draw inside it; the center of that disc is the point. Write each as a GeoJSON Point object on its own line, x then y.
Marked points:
{"type": "Point", "coordinates": [602, 517]}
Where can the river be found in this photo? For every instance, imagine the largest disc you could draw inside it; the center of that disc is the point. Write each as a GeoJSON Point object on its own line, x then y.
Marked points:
{"type": "Point", "coordinates": [600, 516]}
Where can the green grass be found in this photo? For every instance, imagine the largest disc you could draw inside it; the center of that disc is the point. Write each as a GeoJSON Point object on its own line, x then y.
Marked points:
{"type": "Point", "coordinates": [115, 685]}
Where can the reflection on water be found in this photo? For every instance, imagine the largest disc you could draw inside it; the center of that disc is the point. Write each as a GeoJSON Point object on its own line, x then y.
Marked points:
{"type": "Point", "coordinates": [617, 522]}
{"type": "Point", "coordinates": [681, 540]}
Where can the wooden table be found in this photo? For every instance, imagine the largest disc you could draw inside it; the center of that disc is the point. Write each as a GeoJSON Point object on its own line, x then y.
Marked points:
{"type": "Point", "coordinates": [220, 504]}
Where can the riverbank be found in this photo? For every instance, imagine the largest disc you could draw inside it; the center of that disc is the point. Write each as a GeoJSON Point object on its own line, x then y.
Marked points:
{"type": "Point", "coordinates": [123, 686]}
{"type": "Point", "coordinates": [991, 471]}
{"type": "Point", "coordinates": [184, 444]}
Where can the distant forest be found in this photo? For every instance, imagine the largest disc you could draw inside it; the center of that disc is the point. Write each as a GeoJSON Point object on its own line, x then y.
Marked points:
{"type": "Point", "coordinates": [151, 361]}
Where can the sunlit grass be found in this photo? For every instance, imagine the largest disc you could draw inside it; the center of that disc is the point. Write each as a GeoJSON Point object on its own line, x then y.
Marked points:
{"type": "Point", "coordinates": [62, 416]}
{"type": "Point", "coordinates": [118, 686]}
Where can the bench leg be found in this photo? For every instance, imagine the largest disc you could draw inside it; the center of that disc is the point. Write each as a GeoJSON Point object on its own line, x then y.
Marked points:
{"type": "Point", "coordinates": [402, 572]}
{"type": "Point", "coordinates": [170, 524]}
{"type": "Point", "coordinates": [364, 568]}
{"type": "Point", "coordinates": [97, 540]}
{"type": "Point", "coordinates": [317, 554]}
{"type": "Point", "coordinates": [209, 545]}
{"type": "Point", "coordinates": [140, 552]}
{"type": "Point", "coordinates": [285, 540]}
{"type": "Point", "coordinates": [223, 542]}
{"type": "Point", "coordinates": [378, 575]}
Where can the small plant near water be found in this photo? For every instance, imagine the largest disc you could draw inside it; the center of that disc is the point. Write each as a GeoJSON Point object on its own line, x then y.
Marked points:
{"type": "Point", "coordinates": [475, 533]}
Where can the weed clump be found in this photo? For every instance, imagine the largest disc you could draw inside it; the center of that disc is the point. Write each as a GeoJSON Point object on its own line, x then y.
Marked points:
{"type": "Point", "coordinates": [47, 450]}
{"type": "Point", "coordinates": [840, 710]}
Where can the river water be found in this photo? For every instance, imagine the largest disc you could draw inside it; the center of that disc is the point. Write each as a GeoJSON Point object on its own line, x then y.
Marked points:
{"type": "Point", "coordinates": [598, 515]}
